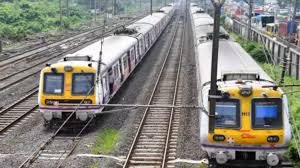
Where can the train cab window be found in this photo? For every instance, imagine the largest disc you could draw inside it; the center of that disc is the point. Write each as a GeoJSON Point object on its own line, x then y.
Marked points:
{"type": "Point", "coordinates": [54, 83]}
{"type": "Point", "coordinates": [227, 113]}
{"type": "Point", "coordinates": [83, 83]}
{"type": "Point", "coordinates": [267, 113]}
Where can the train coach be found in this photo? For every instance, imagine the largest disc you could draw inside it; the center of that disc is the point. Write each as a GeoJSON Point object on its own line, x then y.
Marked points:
{"type": "Point", "coordinates": [251, 121]}
{"type": "Point", "coordinates": [74, 83]}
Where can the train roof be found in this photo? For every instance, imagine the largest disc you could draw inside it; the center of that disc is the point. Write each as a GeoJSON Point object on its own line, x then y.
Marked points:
{"type": "Point", "coordinates": [203, 24]}
{"type": "Point", "coordinates": [113, 48]}
{"type": "Point", "coordinates": [146, 24]}
{"type": "Point", "coordinates": [232, 59]}
{"type": "Point", "coordinates": [167, 9]}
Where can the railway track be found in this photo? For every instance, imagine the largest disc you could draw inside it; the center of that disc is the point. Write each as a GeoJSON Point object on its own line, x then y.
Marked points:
{"type": "Point", "coordinates": [14, 113]}
{"type": "Point", "coordinates": [156, 138]}
{"type": "Point", "coordinates": [57, 148]}
{"type": "Point", "coordinates": [33, 51]}
{"type": "Point", "coordinates": [12, 74]}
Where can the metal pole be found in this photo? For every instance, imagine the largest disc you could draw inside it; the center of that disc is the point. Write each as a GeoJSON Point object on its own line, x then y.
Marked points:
{"type": "Point", "coordinates": [60, 13]}
{"type": "Point", "coordinates": [114, 7]}
{"type": "Point", "coordinates": [286, 57]}
{"type": "Point", "coordinates": [151, 7]}
{"type": "Point", "coordinates": [214, 64]}
{"type": "Point", "coordinates": [95, 13]}
{"type": "Point", "coordinates": [249, 18]}
{"type": "Point", "coordinates": [68, 12]}
{"type": "Point", "coordinates": [1, 46]}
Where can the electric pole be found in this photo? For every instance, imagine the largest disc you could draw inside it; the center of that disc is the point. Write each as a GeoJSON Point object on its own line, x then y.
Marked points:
{"type": "Point", "coordinates": [250, 3]}
{"type": "Point", "coordinates": [114, 7]}
{"type": "Point", "coordinates": [0, 46]}
{"type": "Point", "coordinates": [151, 7]}
{"type": "Point", "coordinates": [68, 12]}
{"type": "Point", "coordinates": [140, 5]}
{"type": "Point", "coordinates": [214, 64]}
{"type": "Point", "coordinates": [286, 57]}
{"type": "Point", "coordinates": [60, 13]}
{"type": "Point", "coordinates": [95, 10]}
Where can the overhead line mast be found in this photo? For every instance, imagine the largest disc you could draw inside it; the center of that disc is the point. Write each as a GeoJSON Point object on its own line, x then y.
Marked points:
{"type": "Point", "coordinates": [286, 57]}
{"type": "Point", "coordinates": [214, 64]}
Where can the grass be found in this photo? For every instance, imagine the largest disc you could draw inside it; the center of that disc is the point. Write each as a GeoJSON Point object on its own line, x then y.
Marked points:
{"type": "Point", "coordinates": [94, 165]}
{"type": "Point", "coordinates": [105, 141]}
{"type": "Point", "coordinates": [256, 50]}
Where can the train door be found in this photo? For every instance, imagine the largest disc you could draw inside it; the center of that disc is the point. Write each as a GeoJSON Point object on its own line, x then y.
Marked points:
{"type": "Point", "coordinates": [137, 57]}
{"type": "Point", "coordinates": [117, 77]}
{"type": "Point", "coordinates": [111, 80]}
{"type": "Point", "coordinates": [149, 40]}
{"type": "Point", "coordinates": [142, 46]}
{"type": "Point", "coordinates": [105, 87]}
{"type": "Point", "coordinates": [132, 59]}
{"type": "Point", "coordinates": [124, 66]}
{"type": "Point", "coordinates": [146, 42]}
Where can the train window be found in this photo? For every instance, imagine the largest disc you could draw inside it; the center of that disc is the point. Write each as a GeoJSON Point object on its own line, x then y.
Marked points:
{"type": "Point", "coordinates": [83, 83]}
{"type": "Point", "coordinates": [266, 113]}
{"type": "Point", "coordinates": [227, 113]}
{"type": "Point", "coordinates": [54, 83]}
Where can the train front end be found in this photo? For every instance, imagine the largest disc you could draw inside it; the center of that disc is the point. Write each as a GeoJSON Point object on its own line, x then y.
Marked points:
{"type": "Point", "coordinates": [251, 126]}
{"type": "Point", "coordinates": [66, 87]}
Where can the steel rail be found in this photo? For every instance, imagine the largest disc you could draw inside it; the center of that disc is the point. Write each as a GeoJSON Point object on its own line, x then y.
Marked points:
{"type": "Point", "coordinates": [17, 118]}
{"type": "Point", "coordinates": [174, 98]}
{"type": "Point", "coordinates": [37, 152]}
{"type": "Point", "coordinates": [127, 161]}
{"type": "Point", "coordinates": [76, 143]}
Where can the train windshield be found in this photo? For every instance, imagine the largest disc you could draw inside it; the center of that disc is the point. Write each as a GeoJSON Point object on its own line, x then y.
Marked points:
{"type": "Point", "coordinates": [53, 83]}
{"type": "Point", "coordinates": [266, 113]}
{"type": "Point", "coordinates": [83, 83]}
{"type": "Point", "coordinates": [227, 114]}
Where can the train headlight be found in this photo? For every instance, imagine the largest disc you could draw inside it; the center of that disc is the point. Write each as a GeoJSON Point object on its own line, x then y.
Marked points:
{"type": "Point", "coordinates": [272, 159]}
{"type": "Point", "coordinates": [219, 138]}
{"type": "Point", "coordinates": [273, 139]}
{"type": "Point", "coordinates": [245, 90]}
{"type": "Point", "coordinates": [221, 157]}
{"type": "Point", "coordinates": [88, 101]}
{"type": "Point", "coordinates": [68, 68]}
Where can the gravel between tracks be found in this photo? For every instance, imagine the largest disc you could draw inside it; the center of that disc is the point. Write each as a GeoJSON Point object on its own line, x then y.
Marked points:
{"type": "Point", "coordinates": [189, 138]}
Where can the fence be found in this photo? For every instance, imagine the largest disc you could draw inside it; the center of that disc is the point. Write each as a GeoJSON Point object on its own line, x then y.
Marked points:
{"type": "Point", "coordinates": [277, 49]}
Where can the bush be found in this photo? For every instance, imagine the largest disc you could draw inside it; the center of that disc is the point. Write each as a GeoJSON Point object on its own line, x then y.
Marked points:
{"type": "Point", "coordinates": [26, 17]}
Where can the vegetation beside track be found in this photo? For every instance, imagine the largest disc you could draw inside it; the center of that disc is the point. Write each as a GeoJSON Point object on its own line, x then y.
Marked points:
{"type": "Point", "coordinates": [105, 141]}
{"type": "Point", "coordinates": [24, 17]}
{"type": "Point", "coordinates": [20, 18]}
{"type": "Point", "coordinates": [256, 50]}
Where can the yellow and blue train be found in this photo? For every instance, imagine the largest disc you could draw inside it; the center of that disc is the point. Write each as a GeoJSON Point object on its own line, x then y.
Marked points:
{"type": "Point", "coordinates": [251, 121]}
